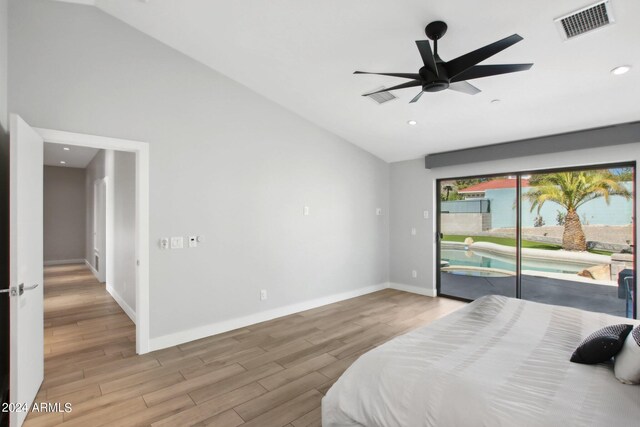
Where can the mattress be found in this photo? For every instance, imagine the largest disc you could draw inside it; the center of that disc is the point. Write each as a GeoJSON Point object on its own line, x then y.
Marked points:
{"type": "Point", "coordinates": [496, 362]}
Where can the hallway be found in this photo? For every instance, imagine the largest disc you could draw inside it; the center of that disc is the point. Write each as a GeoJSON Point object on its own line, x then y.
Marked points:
{"type": "Point", "coordinates": [85, 330]}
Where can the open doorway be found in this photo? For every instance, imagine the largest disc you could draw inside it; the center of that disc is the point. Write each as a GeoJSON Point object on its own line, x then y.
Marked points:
{"type": "Point", "coordinates": [27, 348]}
{"type": "Point", "coordinates": [113, 174]}
{"type": "Point", "coordinates": [89, 206]}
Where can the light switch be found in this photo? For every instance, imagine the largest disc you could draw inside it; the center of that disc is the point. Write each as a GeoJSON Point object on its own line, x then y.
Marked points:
{"type": "Point", "coordinates": [425, 214]}
{"type": "Point", "coordinates": [378, 211]}
{"type": "Point", "coordinates": [177, 242]}
{"type": "Point", "coordinates": [414, 231]}
{"type": "Point", "coordinates": [305, 211]}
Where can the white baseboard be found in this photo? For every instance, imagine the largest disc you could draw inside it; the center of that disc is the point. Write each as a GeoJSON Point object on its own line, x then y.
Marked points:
{"type": "Point", "coordinates": [430, 292]}
{"type": "Point", "coordinates": [181, 337]}
{"type": "Point", "coordinates": [93, 270]}
{"type": "Point", "coordinates": [65, 261]}
{"type": "Point", "coordinates": [125, 307]}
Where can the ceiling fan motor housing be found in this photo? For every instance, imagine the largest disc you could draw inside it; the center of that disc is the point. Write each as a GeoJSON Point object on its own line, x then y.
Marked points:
{"type": "Point", "coordinates": [433, 83]}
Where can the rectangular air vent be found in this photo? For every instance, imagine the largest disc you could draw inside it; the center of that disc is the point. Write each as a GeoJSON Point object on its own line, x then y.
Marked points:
{"type": "Point", "coordinates": [584, 20]}
{"type": "Point", "coordinates": [382, 97]}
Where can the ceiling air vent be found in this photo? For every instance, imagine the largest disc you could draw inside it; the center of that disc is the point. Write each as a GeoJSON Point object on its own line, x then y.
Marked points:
{"type": "Point", "coordinates": [584, 20]}
{"type": "Point", "coordinates": [382, 97]}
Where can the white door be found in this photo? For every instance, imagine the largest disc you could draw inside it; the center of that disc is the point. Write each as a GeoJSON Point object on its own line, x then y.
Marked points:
{"type": "Point", "coordinates": [26, 258]}
{"type": "Point", "coordinates": [100, 228]}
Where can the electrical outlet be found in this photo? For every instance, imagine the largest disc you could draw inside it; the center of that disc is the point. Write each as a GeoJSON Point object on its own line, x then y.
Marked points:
{"type": "Point", "coordinates": [305, 211]}
{"type": "Point", "coordinates": [425, 214]}
{"type": "Point", "coordinates": [414, 231]}
{"type": "Point", "coordinates": [263, 294]}
{"type": "Point", "coordinates": [414, 274]}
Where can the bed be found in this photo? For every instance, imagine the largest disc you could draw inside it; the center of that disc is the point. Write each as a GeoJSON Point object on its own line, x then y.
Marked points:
{"type": "Point", "coordinates": [496, 362]}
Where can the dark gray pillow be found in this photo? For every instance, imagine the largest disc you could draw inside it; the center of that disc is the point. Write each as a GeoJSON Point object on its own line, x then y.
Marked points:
{"type": "Point", "coordinates": [601, 345]}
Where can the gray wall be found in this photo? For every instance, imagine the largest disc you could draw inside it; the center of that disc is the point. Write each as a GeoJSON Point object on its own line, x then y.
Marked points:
{"type": "Point", "coordinates": [124, 222]}
{"type": "Point", "coordinates": [411, 190]}
{"type": "Point", "coordinates": [226, 163]}
{"type": "Point", "coordinates": [96, 169]}
{"type": "Point", "coordinates": [64, 213]}
{"type": "Point", "coordinates": [3, 65]}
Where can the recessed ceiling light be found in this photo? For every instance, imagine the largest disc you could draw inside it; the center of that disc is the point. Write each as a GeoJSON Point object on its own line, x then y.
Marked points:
{"type": "Point", "coordinates": [62, 162]}
{"type": "Point", "coordinates": [66, 148]}
{"type": "Point", "coordinates": [412, 122]}
{"type": "Point", "coordinates": [621, 70]}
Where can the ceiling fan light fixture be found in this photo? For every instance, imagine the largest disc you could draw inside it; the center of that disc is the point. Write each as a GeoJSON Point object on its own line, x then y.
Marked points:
{"type": "Point", "coordinates": [618, 71]}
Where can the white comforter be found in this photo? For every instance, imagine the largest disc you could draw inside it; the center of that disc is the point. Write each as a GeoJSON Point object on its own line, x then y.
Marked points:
{"type": "Point", "coordinates": [496, 362]}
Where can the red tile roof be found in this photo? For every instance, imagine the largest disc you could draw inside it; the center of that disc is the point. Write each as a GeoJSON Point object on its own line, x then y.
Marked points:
{"type": "Point", "coordinates": [494, 184]}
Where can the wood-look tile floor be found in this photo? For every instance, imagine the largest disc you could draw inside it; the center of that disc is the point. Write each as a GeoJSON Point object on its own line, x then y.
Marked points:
{"type": "Point", "coordinates": [269, 374]}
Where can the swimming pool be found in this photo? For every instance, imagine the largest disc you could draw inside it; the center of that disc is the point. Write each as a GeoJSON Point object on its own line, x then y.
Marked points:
{"type": "Point", "coordinates": [489, 260]}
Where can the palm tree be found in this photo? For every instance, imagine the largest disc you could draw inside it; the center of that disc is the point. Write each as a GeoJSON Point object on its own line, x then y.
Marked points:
{"type": "Point", "coordinates": [572, 190]}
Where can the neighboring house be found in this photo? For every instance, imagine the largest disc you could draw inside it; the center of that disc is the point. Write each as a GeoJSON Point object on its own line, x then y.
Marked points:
{"type": "Point", "coordinates": [502, 205]}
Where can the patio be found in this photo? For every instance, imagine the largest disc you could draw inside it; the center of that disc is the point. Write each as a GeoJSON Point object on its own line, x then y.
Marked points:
{"type": "Point", "coordinates": [591, 297]}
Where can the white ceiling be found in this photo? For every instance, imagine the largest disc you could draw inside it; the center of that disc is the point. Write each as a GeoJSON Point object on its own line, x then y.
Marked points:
{"type": "Point", "coordinates": [301, 54]}
{"type": "Point", "coordinates": [75, 157]}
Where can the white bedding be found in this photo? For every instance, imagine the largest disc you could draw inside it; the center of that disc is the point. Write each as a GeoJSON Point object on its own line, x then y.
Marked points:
{"type": "Point", "coordinates": [496, 362]}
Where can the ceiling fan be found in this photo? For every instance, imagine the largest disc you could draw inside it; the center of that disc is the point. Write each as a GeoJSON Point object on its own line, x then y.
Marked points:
{"type": "Point", "coordinates": [437, 75]}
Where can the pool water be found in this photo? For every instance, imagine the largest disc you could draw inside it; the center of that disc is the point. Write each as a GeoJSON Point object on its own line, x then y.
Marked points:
{"type": "Point", "coordinates": [483, 259]}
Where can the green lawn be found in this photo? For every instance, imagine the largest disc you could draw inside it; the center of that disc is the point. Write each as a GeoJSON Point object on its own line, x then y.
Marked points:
{"type": "Point", "coordinates": [512, 242]}
{"type": "Point", "coordinates": [505, 241]}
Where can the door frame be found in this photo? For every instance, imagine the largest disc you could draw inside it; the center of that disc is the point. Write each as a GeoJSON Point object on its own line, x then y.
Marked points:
{"type": "Point", "coordinates": [141, 150]}
{"type": "Point", "coordinates": [518, 175]}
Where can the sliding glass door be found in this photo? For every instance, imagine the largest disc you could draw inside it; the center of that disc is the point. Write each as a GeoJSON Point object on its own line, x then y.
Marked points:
{"type": "Point", "coordinates": [563, 237]}
{"type": "Point", "coordinates": [477, 247]}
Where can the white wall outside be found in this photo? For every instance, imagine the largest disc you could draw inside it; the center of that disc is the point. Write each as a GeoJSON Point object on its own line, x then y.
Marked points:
{"type": "Point", "coordinates": [64, 214]}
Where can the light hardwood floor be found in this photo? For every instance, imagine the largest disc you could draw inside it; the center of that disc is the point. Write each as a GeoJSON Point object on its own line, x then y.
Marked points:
{"type": "Point", "coordinates": [269, 374]}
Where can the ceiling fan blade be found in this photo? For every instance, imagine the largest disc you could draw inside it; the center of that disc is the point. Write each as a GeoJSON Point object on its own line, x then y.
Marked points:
{"type": "Point", "coordinates": [479, 71]}
{"type": "Point", "coordinates": [464, 87]}
{"type": "Point", "coordinates": [415, 98]}
{"type": "Point", "coordinates": [464, 62]}
{"type": "Point", "coordinates": [413, 76]}
{"type": "Point", "coordinates": [427, 55]}
{"type": "Point", "coordinates": [402, 86]}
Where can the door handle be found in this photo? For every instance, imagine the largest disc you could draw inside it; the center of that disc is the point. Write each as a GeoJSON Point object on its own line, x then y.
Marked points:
{"type": "Point", "coordinates": [22, 288]}
{"type": "Point", "coordinates": [12, 291]}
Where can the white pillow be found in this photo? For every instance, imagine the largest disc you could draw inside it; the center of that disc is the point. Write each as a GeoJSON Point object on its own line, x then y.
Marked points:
{"type": "Point", "coordinates": [627, 361]}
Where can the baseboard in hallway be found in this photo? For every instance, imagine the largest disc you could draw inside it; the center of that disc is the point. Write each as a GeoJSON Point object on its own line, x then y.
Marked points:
{"type": "Point", "coordinates": [64, 261]}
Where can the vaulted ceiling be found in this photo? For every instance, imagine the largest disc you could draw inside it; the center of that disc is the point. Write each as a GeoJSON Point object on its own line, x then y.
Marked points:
{"type": "Point", "coordinates": [301, 54]}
